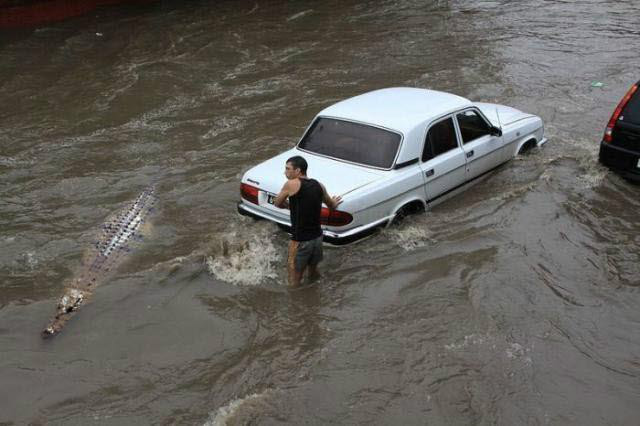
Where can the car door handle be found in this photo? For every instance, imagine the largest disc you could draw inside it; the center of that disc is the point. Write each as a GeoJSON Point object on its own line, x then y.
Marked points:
{"type": "Point", "coordinates": [470, 154]}
{"type": "Point", "coordinates": [429, 172]}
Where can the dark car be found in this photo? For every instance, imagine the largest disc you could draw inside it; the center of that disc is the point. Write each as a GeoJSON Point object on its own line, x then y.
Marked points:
{"type": "Point", "coordinates": [620, 146]}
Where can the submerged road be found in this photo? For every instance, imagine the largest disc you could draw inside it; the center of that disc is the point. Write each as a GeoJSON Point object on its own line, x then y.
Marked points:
{"type": "Point", "coordinates": [513, 303]}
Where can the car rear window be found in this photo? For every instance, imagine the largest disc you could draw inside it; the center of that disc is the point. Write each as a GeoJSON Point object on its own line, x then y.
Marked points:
{"type": "Point", "coordinates": [631, 112]}
{"type": "Point", "coordinates": [357, 143]}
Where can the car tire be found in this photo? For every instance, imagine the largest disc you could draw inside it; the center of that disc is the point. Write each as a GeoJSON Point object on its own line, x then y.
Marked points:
{"type": "Point", "coordinates": [527, 147]}
{"type": "Point", "coordinates": [406, 210]}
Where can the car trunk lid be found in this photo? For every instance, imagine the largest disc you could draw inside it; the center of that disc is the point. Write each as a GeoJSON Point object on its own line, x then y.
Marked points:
{"type": "Point", "coordinates": [338, 177]}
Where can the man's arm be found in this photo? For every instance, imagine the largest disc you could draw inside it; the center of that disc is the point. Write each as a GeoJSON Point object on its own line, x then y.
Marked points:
{"type": "Point", "coordinates": [331, 202]}
{"type": "Point", "coordinates": [281, 199]}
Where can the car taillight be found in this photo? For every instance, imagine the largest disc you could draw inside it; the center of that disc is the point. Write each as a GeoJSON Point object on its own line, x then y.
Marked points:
{"type": "Point", "coordinates": [334, 217]}
{"type": "Point", "coordinates": [608, 132]}
{"type": "Point", "coordinates": [249, 193]}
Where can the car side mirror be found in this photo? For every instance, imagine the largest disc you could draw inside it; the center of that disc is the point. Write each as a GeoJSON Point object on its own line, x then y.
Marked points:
{"type": "Point", "coordinates": [495, 131]}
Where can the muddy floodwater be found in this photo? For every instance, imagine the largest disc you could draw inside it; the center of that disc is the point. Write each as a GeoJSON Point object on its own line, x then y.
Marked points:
{"type": "Point", "coordinates": [516, 302]}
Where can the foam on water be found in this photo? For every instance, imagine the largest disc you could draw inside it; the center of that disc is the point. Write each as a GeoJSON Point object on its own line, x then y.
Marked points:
{"type": "Point", "coordinates": [467, 341]}
{"type": "Point", "coordinates": [299, 15]}
{"type": "Point", "coordinates": [586, 152]}
{"type": "Point", "coordinates": [244, 260]}
{"type": "Point", "coordinates": [592, 173]}
{"type": "Point", "coordinates": [223, 125]}
{"type": "Point", "coordinates": [7, 161]}
{"type": "Point", "coordinates": [411, 237]}
{"type": "Point", "coordinates": [30, 260]}
{"type": "Point", "coordinates": [163, 118]}
{"type": "Point", "coordinates": [237, 411]}
{"type": "Point", "coordinates": [510, 351]}
{"type": "Point", "coordinates": [580, 149]}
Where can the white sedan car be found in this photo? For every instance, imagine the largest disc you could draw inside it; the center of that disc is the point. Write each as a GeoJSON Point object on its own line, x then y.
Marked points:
{"type": "Point", "coordinates": [391, 152]}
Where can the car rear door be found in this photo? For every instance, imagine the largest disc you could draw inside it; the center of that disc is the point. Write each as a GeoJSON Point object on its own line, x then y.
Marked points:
{"type": "Point", "coordinates": [443, 161]}
{"type": "Point", "coordinates": [482, 149]}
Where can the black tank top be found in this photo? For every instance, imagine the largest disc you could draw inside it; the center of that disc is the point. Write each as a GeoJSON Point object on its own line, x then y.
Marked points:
{"type": "Point", "coordinates": [305, 208]}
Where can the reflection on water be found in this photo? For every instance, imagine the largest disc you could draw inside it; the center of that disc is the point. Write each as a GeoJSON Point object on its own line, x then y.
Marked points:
{"type": "Point", "coordinates": [512, 303]}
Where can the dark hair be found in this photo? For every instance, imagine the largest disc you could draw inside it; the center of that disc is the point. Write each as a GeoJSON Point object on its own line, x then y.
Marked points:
{"type": "Point", "coordinates": [299, 163]}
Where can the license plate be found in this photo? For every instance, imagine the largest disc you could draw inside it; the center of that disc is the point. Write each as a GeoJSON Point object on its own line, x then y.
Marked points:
{"type": "Point", "coordinates": [271, 198]}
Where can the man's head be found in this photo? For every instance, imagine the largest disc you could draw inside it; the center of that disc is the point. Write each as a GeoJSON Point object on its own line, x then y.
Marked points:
{"type": "Point", "coordinates": [295, 167]}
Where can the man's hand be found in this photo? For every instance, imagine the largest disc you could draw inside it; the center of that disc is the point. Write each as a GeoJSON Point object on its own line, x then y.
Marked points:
{"type": "Point", "coordinates": [331, 202]}
{"type": "Point", "coordinates": [335, 200]}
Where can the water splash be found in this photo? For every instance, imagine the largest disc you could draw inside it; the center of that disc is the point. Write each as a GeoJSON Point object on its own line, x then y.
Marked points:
{"type": "Point", "coordinates": [244, 260]}
{"type": "Point", "coordinates": [411, 237]}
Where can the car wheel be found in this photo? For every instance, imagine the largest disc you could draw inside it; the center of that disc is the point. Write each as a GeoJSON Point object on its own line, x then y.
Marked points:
{"type": "Point", "coordinates": [406, 210]}
{"type": "Point", "coordinates": [527, 147]}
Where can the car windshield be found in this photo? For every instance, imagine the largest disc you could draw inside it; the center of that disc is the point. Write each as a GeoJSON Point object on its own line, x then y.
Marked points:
{"type": "Point", "coordinates": [357, 143]}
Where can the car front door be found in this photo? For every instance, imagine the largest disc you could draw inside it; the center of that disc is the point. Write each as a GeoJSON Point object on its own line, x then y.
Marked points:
{"type": "Point", "coordinates": [483, 149]}
{"type": "Point", "coordinates": [443, 161]}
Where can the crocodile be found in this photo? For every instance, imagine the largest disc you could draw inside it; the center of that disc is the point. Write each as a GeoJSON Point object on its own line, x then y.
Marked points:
{"type": "Point", "coordinates": [118, 235]}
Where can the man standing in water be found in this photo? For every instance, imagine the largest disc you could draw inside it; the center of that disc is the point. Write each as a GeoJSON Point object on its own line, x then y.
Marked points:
{"type": "Point", "coordinates": [305, 197]}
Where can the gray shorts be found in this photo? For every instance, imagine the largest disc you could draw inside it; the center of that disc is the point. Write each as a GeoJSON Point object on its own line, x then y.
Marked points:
{"type": "Point", "coordinates": [303, 253]}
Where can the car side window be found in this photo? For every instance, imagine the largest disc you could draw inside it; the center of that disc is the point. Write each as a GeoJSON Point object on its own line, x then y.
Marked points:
{"type": "Point", "coordinates": [472, 125]}
{"type": "Point", "coordinates": [441, 138]}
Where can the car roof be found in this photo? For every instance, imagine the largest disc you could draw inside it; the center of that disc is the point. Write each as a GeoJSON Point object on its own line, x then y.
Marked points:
{"type": "Point", "coordinates": [396, 108]}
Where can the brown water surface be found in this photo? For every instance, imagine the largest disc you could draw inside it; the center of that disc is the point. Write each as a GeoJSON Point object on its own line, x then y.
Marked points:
{"type": "Point", "coordinates": [516, 302]}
